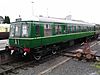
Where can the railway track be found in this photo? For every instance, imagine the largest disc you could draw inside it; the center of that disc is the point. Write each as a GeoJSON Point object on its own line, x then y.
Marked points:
{"type": "Point", "coordinates": [9, 66]}
{"type": "Point", "coordinates": [12, 66]}
{"type": "Point", "coordinates": [5, 57]}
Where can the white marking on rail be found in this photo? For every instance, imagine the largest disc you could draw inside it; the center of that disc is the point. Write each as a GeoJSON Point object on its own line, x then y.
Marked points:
{"type": "Point", "coordinates": [95, 44]}
{"type": "Point", "coordinates": [98, 43]}
{"type": "Point", "coordinates": [53, 67]}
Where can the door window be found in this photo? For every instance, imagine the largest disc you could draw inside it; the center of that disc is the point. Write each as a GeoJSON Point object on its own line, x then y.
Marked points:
{"type": "Point", "coordinates": [37, 30]}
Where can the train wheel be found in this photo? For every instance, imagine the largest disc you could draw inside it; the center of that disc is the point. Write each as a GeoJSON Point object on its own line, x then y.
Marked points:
{"type": "Point", "coordinates": [37, 57]}
{"type": "Point", "coordinates": [54, 49]}
{"type": "Point", "coordinates": [54, 52]}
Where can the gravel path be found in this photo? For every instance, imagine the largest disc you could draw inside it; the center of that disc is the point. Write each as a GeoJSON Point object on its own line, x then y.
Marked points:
{"type": "Point", "coordinates": [74, 67]}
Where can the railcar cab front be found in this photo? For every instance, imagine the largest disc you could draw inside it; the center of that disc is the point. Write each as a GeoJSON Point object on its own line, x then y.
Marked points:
{"type": "Point", "coordinates": [18, 31]}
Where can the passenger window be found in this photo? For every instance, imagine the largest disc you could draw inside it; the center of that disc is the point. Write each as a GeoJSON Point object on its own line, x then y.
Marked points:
{"type": "Point", "coordinates": [17, 30]}
{"type": "Point", "coordinates": [47, 30]}
{"type": "Point", "coordinates": [47, 26]}
{"type": "Point", "coordinates": [58, 29]}
{"type": "Point", "coordinates": [68, 29]}
{"type": "Point", "coordinates": [87, 28]}
{"type": "Point", "coordinates": [79, 28]}
{"type": "Point", "coordinates": [64, 29]}
{"type": "Point", "coordinates": [74, 29]}
{"type": "Point", "coordinates": [25, 29]}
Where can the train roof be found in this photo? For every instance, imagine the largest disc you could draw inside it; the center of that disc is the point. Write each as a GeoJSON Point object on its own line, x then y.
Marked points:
{"type": "Point", "coordinates": [57, 20]}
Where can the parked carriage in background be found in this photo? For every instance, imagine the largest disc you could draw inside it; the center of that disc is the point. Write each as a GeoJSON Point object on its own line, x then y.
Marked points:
{"type": "Point", "coordinates": [4, 31]}
{"type": "Point", "coordinates": [41, 35]}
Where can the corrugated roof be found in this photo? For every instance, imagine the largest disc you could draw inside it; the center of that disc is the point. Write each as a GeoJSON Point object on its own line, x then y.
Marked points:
{"type": "Point", "coordinates": [49, 19]}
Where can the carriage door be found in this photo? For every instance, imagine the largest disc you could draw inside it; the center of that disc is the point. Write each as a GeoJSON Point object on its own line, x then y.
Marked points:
{"type": "Point", "coordinates": [37, 30]}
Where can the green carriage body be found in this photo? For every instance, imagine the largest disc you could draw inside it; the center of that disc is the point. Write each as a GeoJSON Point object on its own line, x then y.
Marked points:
{"type": "Point", "coordinates": [36, 38]}
{"type": "Point", "coordinates": [41, 41]}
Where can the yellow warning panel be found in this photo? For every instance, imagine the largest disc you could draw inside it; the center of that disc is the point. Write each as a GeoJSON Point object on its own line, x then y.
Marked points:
{"type": "Point", "coordinates": [4, 27]}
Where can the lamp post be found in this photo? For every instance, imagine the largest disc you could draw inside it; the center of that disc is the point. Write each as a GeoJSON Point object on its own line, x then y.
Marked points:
{"type": "Point", "coordinates": [32, 9]}
{"type": "Point", "coordinates": [47, 12]}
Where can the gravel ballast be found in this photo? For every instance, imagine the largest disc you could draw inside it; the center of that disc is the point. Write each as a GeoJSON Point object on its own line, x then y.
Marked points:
{"type": "Point", "coordinates": [71, 67]}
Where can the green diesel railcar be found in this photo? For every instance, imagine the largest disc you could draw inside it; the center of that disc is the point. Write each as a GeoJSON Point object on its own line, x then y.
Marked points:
{"type": "Point", "coordinates": [37, 37]}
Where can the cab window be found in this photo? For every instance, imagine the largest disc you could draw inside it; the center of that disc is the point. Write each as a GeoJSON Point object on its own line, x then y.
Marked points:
{"type": "Point", "coordinates": [12, 28]}
{"type": "Point", "coordinates": [19, 29]}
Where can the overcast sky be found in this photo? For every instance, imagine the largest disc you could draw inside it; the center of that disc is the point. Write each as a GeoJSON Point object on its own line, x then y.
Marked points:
{"type": "Point", "coordinates": [87, 10]}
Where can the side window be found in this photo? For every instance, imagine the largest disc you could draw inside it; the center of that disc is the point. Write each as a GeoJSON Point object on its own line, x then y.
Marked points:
{"type": "Point", "coordinates": [79, 28]}
{"type": "Point", "coordinates": [57, 29]}
{"type": "Point", "coordinates": [82, 28]}
{"type": "Point", "coordinates": [47, 26]}
{"type": "Point", "coordinates": [68, 29]}
{"type": "Point", "coordinates": [64, 29]}
{"type": "Point", "coordinates": [87, 28]}
{"type": "Point", "coordinates": [71, 28]}
{"type": "Point", "coordinates": [25, 29]}
{"type": "Point", "coordinates": [74, 28]}
{"type": "Point", "coordinates": [47, 30]}
{"type": "Point", "coordinates": [90, 28]}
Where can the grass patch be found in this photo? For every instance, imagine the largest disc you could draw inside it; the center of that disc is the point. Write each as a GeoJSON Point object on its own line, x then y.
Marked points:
{"type": "Point", "coordinates": [97, 65]}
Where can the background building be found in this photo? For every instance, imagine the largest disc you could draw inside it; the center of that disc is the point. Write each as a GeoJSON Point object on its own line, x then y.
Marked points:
{"type": "Point", "coordinates": [1, 20]}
